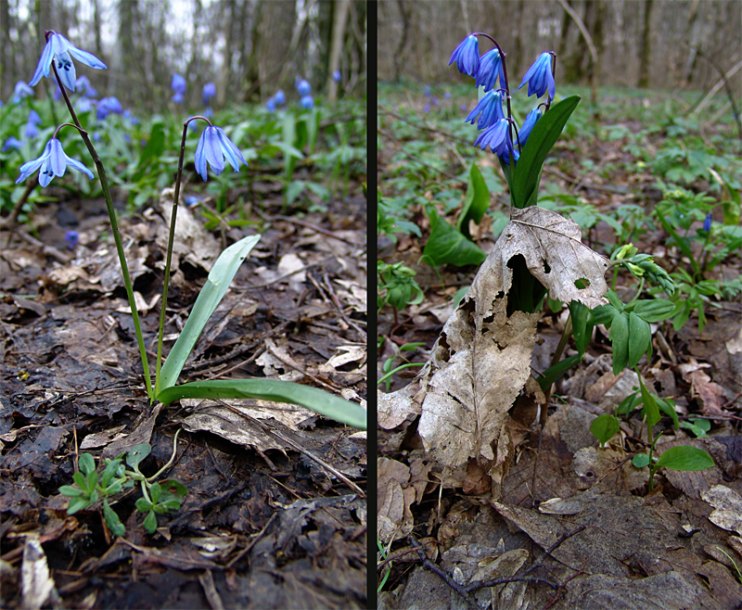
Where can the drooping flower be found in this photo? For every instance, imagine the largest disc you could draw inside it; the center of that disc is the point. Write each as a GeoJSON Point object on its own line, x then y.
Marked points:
{"type": "Point", "coordinates": [21, 90]}
{"type": "Point", "coordinates": [707, 222]}
{"type": "Point", "coordinates": [52, 162]}
{"type": "Point", "coordinates": [466, 56]}
{"type": "Point", "coordinates": [83, 85]}
{"type": "Point", "coordinates": [84, 104]}
{"type": "Point", "coordinates": [61, 51]}
{"type": "Point", "coordinates": [279, 97]}
{"type": "Point", "coordinates": [33, 117]}
{"type": "Point", "coordinates": [427, 91]}
{"type": "Point", "coordinates": [213, 147]}
{"type": "Point", "coordinates": [71, 238]}
{"type": "Point", "coordinates": [528, 125]}
{"type": "Point", "coordinates": [109, 105]}
{"type": "Point", "coordinates": [336, 76]}
{"type": "Point", "coordinates": [307, 102]}
{"type": "Point", "coordinates": [31, 131]}
{"type": "Point", "coordinates": [539, 77]}
{"type": "Point", "coordinates": [497, 139]}
{"type": "Point", "coordinates": [271, 104]}
{"type": "Point", "coordinates": [208, 93]}
{"type": "Point", "coordinates": [12, 144]}
{"type": "Point", "coordinates": [490, 69]}
{"type": "Point", "coordinates": [303, 87]}
{"type": "Point", "coordinates": [178, 85]}
{"type": "Point", "coordinates": [489, 110]}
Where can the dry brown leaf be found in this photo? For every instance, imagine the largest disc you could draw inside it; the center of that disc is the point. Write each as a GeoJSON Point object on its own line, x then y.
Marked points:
{"type": "Point", "coordinates": [36, 581]}
{"type": "Point", "coordinates": [709, 393]}
{"type": "Point", "coordinates": [727, 503]}
{"type": "Point", "coordinates": [395, 518]}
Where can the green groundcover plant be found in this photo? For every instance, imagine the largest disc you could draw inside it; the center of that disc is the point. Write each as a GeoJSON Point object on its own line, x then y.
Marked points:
{"type": "Point", "coordinates": [214, 151]}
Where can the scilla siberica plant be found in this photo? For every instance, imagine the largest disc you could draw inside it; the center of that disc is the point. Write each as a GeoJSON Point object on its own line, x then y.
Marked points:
{"type": "Point", "coordinates": [214, 148]}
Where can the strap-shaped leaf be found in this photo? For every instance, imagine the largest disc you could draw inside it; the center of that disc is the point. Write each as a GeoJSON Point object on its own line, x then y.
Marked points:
{"type": "Point", "coordinates": [317, 400]}
{"type": "Point", "coordinates": [217, 284]}
{"type": "Point", "coordinates": [476, 203]}
{"type": "Point", "coordinates": [525, 178]}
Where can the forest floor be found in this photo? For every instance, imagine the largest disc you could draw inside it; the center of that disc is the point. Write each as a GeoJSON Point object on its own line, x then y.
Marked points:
{"type": "Point", "coordinates": [275, 515]}
{"type": "Point", "coordinates": [559, 522]}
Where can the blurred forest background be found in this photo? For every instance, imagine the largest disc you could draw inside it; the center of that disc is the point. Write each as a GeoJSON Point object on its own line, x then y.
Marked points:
{"type": "Point", "coordinates": [644, 43]}
{"type": "Point", "coordinates": [249, 48]}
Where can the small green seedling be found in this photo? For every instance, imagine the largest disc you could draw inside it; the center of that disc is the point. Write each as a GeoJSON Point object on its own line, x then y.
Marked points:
{"type": "Point", "coordinates": [90, 487]}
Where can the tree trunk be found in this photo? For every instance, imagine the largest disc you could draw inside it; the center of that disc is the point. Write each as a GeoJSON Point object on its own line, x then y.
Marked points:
{"type": "Point", "coordinates": [6, 71]}
{"type": "Point", "coordinates": [336, 48]}
{"type": "Point", "coordinates": [645, 52]}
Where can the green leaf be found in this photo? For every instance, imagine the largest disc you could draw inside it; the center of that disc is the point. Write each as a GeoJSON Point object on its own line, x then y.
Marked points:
{"type": "Point", "coordinates": [628, 404]}
{"type": "Point", "coordinates": [667, 406]}
{"type": "Point", "coordinates": [143, 505]}
{"type": "Point", "coordinates": [476, 203]}
{"type": "Point", "coordinates": [317, 400]}
{"type": "Point", "coordinates": [86, 463]}
{"type": "Point", "coordinates": [525, 177]}
{"type": "Point", "coordinates": [150, 522]}
{"type": "Point", "coordinates": [651, 410]}
{"type": "Point", "coordinates": [554, 372]}
{"type": "Point", "coordinates": [619, 336]}
{"type": "Point", "coordinates": [112, 520]}
{"type": "Point", "coordinates": [109, 472]}
{"type": "Point", "coordinates": [604, 427]}
{"type": "Point", "coordinates": [640, 460]}
{"type": "Point", "coordinates": [155, 492]}
{"type": "Point", "coordinates": [217, 284]}
{"type": "Point", "coordinates": [686, 458]}
{"type": "Point", "coordinates": [582, 328]}
{"type": "Point", "coordinates": [152, 151]}
{"type": "Point", "coordinates": [77, 504]}
{"type": "Point", "coordinates": [137, 454]}
{"type": "Point", "coordinates": [654, 310]}
{"type": "Point", "coordinates": [640, 339]}
{"type": "Point", "coordinates": [170, 505]}
{"type": "Point", "coordinates": [71, 491]}
{"type": "Point", "coordinates": [698, 426]}
{"type": "Point", "coordinates": [446, 245]}
{"type": "Point", "coordinates": [173, 488]}
{"type": "Point", "coordinates": [602, 314]}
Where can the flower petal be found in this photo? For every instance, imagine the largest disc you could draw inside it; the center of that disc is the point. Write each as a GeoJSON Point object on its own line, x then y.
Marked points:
{"type": "Point", "coordinates": [86, 58]}
{"type": "Point", "coordinates": [231, 152]}
{"type": "Point", "coordinates": [200, 159]}
{"type": "Point", "coordinates": [57, 158]}
{"type": "Point", "coordinates": [45, 62]}
{"type": "Point", "coordinates": [213, 150]}
{"type": "Point", "coordinates": [66, 70]}
{"type": "Point", "coordinates": [46, 173]}
{"type": "Point", "coordinates": [75, 164]}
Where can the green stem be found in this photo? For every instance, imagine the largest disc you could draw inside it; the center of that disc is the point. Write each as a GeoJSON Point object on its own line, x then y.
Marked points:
{"type": "Point", "coordinates": [103, 177]}
{"type": "Point", "coordinates": [650, 440]}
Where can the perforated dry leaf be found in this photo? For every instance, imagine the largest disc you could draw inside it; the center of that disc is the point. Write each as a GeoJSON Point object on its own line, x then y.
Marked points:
{"type": "Point", "coordinates": [482, 359]}
{"type": "Point", "coordinates": [396, 494]}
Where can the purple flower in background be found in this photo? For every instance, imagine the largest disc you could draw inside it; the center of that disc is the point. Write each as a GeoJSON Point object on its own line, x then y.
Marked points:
{"type": "Point", "coordinates": [83, 85]}
{"type": "Point", "coordinates": [336, 76]}
{"type": "Point", "coordinates": [53, 162]}
{"type": "Point", "coordinates": [213, 147]}
{"type": "Point", "coordinates": [490, 69]}
{"type": "Point", "coordinates": [303, 87]}
{"type": "Point", "coordinates": [178, 98]}
{"type": "Point", "coordinates": [21, 91]}
{"type": "Point", "coordinates": [33, 117]}
{"type": "Point", "coordinates": [71, 238]}
{"type": "Point", "coordinates": [31, 131]}
{"type": "Point", "coordinates": [131, 118]}
{"type": "Point", "coordinates": [528, 124]}
{"type": "Point", "coordinates": [61, 51]}
{"type": "Point", "coordinates": [208, 93]}
{"type": "Point", "coordinates": [271, 105]}
{"type": "Point", "coordinates": [427, 91]}
{"type": "Point", "coordinates": [279, 97]}
{"type": "Point", "coordinates": [307, 102]}
{"type": "Point", "coordinates": [208, 112]}
{"type": "Point", "coordinates": [191, 200]}
{"type": "Point", "coordinates": [489, 110]}
{"type": "Point", "coordinates": [466, 56]}
{"type": "Point", "coordinates": [178, 85]}
{"type": "Point", "coordinates": [84, 104]}
{"type": "Point", "coordinates": [109, 105]}
{"type": "Point", "coordinates": [426, 107]}
{"type": "Point", "coordinates": [539, 77]}
{"type": "Point", "coordinates": [707, 222]}
{"type": "Point", "coordinates": [12, 144]}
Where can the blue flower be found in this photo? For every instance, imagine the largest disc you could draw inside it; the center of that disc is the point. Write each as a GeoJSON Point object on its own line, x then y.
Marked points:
{"type": "Point", "coordinates": [336, 76]}
{"type": "Point", "coordinates": [52, 162]}
{"type": "Point", "coordinates": [426, 108]}
{"type": "Point", "coordinates": [84, 104]}
{"type": "Point", "coordinates": [178, 98]}
{"type": "Point", "coordinates": [528, 124]}
{"type": "Point", "coordinates": [466, 56]}
{"type": "Point", "coordinates": [213, 147]}
{"type": "Point", "coordinates": [178, 84]}
{"type": "Point", "coordinates": [21, 91]}
{"type": "Point", "coordinates": [85, 88]}
{"type": "Point", "coordinates": [31, 131]}
{"type": "Point", "coordinates": [490, 69]}
{"type": "Point", "coordinates": [303, 87]}
{"type": "Point", "coordinates": [33, 117]}
{"type": "Point", "coordinates": [12, 144]}
{"type": "Point", "coordinates": [307, 102]}
{"type": "Point", "coordinates": [61, 51]}
{"type": "Point", "coordinates": [209, 91]}
{"type": "Point", "coordinates": [707, 222]}
{"type": "Point", "coordinates": [109, 105]}
{"type": "Point", "coordinates": [489, 110]}
{"type": "Point", "coordinates": [427, 91]}
{"type": "Point", "coordinates": [271, 104]}
{"type": "Point", "coordinates": [279, 97]}
{"type": "Point", "coordinates": [497, 139]}
{"type": "Point", "coordinates": [71, 238]}
{"type": "Point", "coordinates": [539, 77]}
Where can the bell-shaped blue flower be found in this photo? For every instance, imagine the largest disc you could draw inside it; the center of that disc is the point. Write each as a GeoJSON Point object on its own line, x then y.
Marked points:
{"type": "Point", "coordinates": [528, 124]}
{"type": "Point", "coordinates": [490, 69]}
{"type": "Point", "coordinates": [21, 90]}
{"type": "Point", "coordinates": [85, 88]}
{"type": "Point", "coordinates": [707, 222]}
{"type": "Point", "coordinates": [109, 105]}
{"type": "Point", "coordinates": [497, 139]}
{"type": "Point", "coordinates": [466, 56]}
{"type": "Point", "coordinates": [61, 51]}
{"type": "Point", "coordinates": [31, 130]}
{"type": "Point", "coordinates": [303, 87]}
{"type": "Point", "coordinates": [336, 76]}
{"type": "Point", "coordinates": [539, 77]}
{"type": "Point", "coordinates": [489, 110]}
{"type": "Point", "coordinates": [52, 162]}
{"type": "Point", "coordinates": [307, 102]}
{"type": "Point", "coordinates": [208, 93]}
{"type": "Point", "coordinates": [279, 97]}
{"type": "Point", "coordinates": [213, 147]}
{"type": "Point", "coordinates": [12, 144]}
{"type": "Point", "coordinates": [33, 117]}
